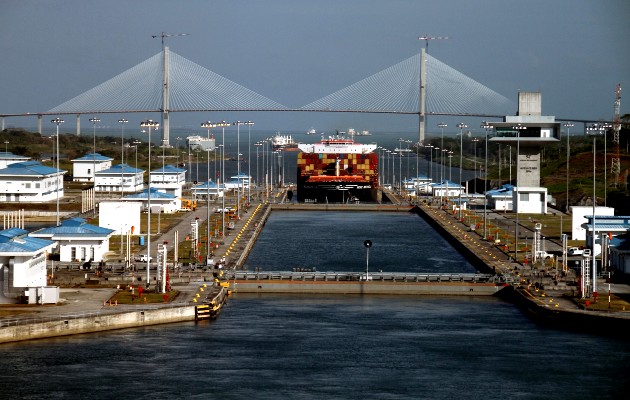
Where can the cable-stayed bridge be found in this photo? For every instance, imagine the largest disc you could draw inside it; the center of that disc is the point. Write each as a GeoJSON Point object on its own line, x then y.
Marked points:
{"type": "Point", "coordinates": [168, 82]}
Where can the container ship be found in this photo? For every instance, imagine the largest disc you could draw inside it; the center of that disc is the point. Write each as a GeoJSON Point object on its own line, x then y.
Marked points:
{"type": "Point", "coordinates": [337, 170]}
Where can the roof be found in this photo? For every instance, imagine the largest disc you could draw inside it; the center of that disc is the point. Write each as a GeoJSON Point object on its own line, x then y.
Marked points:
{"type": "Point", "coordinates": [74, 227]}
{"type": "Point", "coordinates": [15, 240]}
{"type": "Point", "coordinates": [29, 168]}
{"type": "Point", "coordinates": [120, 169]}
{"type": "Point", "coordinates": [93, 157]}
{"type": "Point", "coordinates": [447, 184]}
{"type": "Point", "coordinates": [155, 195]}
{"type": "Point", "coordinates": [206, 185]}
{"type": "Point", "coordinates": [168, 169]}
{"type": "Point", "coordinates": [10, 156]}
{"type": "Point", "coordinates": [505, 190]}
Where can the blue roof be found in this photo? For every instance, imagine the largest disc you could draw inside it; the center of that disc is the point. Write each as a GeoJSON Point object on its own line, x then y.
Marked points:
{"type": "Point", "coordinates": [505, 190]}
{"type": "Point", "coordinates": [168, 169]}
{"type": "Point", "coordinates": [155, 194]}
{"type": "Point", "coordinates": [75, 227]}
{"type": "Point", "coordinates": [29, 168]}
{"type": "Point", "coordinates": [14, 240]}
{"type": "Point", "coordinates": [9, 155]}
{"type": "Point", "coordinates": [93, 157]}
{"type": "Point", "coordinates": [207, 185]}
{"type": "Point", "coordinates": [444, 184]}
{"type": "Point", "coordinates": [120, 169]}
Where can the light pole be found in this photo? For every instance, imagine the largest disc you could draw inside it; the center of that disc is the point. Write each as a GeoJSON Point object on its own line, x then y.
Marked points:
{"type": "Point", "coordinates": [518, 129]}
{"type": "Point", "coordinates": [56, 121]}
{"type": "Point", "coordinates": [568, 125]}
{"type": "Point", "coordinates": [595, 130]}
{"type": "Point", "coordinates": [487, 127]}
{"type": "Point", "coordinates": [367, 244]}
{"type": "Point", "coordinates": [208, 125]}
{"type": "Point", "coordinates": [6, 146]}
{"type": "Point", "coordinates": [442, 125]}
{"type": "Point", "coordinates": [122, 122]}
{"type": "Point", "coordinates": [149, 124]}
{"type": "Point", "coordinates": [461, 127]}
{"type": "Point", "coordinates": [249, 164]}
{"type": "Point", "coordinates": [222, 125]}
{"type": "Point", "coordinates": [475, 141]}
{"type": "Point", "coordinates": [94, 121]}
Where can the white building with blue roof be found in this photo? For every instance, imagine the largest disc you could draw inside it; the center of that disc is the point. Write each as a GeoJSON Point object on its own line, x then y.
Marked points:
{"type": "Point", "coordinates": [78, 241]}
{"type": "Point", "coordinates": [23, 268]}
{"type": "Point", "coordinates": [160, 201]}
{"type": "Point", "coordinates": [168, 179]}
{"type": "Point", "coordinates": [501, 199]}
{"type": "Point", "coordinates": [206, 190]}
{"type": "Point", "coordinates": [447, 189]}
{"type": "Point", "coordinates": [83, 167]}
{"type": "Point", "coordinates": [119, 178]}
{"type": "Point", "coordinates": [241, 181]}
{"type": "Point", "coordinates": [30, 182]}
{"type": "Point", "coordinates": [7, 158]}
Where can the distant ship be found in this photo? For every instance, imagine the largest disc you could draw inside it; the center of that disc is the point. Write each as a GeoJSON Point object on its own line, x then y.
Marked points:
{"type": "Point", "coordinates": [197, 142]}
{"type": "Point", "coordinates": [337, 170]}
{"type": "Point", "coordinates": [311, 131]}
{"type": "Point", "coordinates": [353, 132]}
{"type": "Point", "coordinates": [283, 143]}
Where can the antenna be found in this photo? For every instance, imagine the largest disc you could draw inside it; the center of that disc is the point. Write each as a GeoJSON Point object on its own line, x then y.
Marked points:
{"type": "Point", "coordinates": [163, 35]}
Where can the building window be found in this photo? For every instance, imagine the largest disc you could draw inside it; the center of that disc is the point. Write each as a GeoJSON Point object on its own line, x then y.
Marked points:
{"type": "Point", "coordinates": [524, 196]}
{"type": "Point", "coordinates": [73, 253]}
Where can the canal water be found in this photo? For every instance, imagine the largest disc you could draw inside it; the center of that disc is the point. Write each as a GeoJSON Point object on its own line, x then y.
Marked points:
{"type": "Point", "coordinates": [333, 347]}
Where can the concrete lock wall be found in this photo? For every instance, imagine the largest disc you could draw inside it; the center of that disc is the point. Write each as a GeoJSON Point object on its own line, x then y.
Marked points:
{"type": "Point", "coordinates": [95, 323]}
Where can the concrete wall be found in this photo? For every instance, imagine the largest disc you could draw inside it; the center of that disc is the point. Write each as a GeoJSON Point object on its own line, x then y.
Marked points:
{"type": "Point", "coordinates": [369, 287]}
{"type": "Point", "coordinates": [94, 322]}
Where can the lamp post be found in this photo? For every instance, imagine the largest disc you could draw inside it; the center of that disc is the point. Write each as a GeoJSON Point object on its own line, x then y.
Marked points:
{"type": "Point", "coordinates": [122, 122]}
{"type": "Point", "coordinates": [461, 127]}
{"type": "Point", "coordinates": [442, 125]}
{"type": "Point", "coordinates": [56, 121]}
{"type": "Point", "coordinates": [6, 146]}
{"type": "Point", "coordinates": [94, 121]}
{"type": "Point", "coordinates": [207, 125]}
{"type": "Point", "coordinates": [249, 164]}
{"type": "Point", "coordinates": [149, 124]}
{"type": "Point", "coordinates": [594, 130]}
{"type": "Point", "coordinates": [568, 125]}
{"type": "Point", "coordinates": [367, 244]}
{"type": "Point", "coordinates": [487, 127]}
{"type": "Point", "coordinates": [518, 129]}
{"type": "Point", "coordinates": [222, 125]}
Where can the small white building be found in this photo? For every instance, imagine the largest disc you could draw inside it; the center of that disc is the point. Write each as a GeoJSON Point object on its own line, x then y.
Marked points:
{"type": "Point", "coordinates": [420, 183]}
{"type": "Point", "coordinates": [242, 180]}
{"type": "Point", "coordinates": [119, 178]}
{"type": "Point", "coordinates": [7, 158]}
{"type": "Point", "coordinates": [529, 200]}
{"type": "Point", "coordinates": [121, 216]}
{"type": "Point", "coordinates": [78, 241]}
{"type": "Point", "coordinates": [207, 189]}
{"type": "Point", "coordinates": [160, 201]}
{"type": "Point", "coordinates": [168, 179]}
{"type": "Point", "coordinates": [500, 199]}
{"type": "Point", "coordinates": [23, 268]}
{"type": "Point", "coordinates": [578, 219]}
{"type": "Point", "coordinates": [83, 167]}
{"type": "Point", "coordinates": [605, 225]}
{"type": "Point", "coordinates": [446, 189]}
{"type": "Point", "coordinates": [30, 182]}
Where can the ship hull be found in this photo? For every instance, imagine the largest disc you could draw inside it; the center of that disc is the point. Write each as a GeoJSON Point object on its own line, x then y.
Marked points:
{"type": "Point", "coordinates": [337, 178]}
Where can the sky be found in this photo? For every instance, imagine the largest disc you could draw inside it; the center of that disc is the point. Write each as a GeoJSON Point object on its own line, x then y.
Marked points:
{"type": "Point", "coordinates": [296, 51]}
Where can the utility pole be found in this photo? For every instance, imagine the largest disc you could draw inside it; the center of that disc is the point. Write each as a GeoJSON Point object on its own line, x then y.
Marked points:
{"type": "Point", "coordinates": [615, 167]}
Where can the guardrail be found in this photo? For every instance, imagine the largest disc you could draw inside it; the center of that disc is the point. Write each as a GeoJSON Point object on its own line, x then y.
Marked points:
{"type": "Point", "coordinates": [359, 276]}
